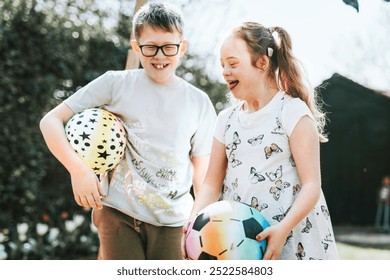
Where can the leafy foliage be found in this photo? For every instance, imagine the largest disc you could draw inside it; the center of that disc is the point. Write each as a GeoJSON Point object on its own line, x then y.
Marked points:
{"type": "Point", "coordinates": [47, 50]}
{"type": "Point", "coordinates": [192, 71]}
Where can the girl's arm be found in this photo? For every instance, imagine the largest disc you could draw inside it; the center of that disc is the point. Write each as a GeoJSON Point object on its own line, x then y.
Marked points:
{"type": "Point", "coordinates": [304, 145]}
{"type": "Point", "coordinates": [210, 190]}
{"type": "Point", "coordinates": [86, 188]}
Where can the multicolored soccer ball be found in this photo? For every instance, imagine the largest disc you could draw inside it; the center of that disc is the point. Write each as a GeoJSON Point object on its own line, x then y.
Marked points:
{"type": "Point", "coordinates": [226, 230]}
{"type": "Point", "coordinates": [98, 137]}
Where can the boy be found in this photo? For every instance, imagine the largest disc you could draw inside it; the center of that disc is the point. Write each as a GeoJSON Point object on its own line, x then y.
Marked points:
{"type": "Point", "coordinates": [140, 207]}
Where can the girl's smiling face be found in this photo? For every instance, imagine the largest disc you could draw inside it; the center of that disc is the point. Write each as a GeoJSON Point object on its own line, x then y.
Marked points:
{"type": "Point", "coordinates": [241, 76]}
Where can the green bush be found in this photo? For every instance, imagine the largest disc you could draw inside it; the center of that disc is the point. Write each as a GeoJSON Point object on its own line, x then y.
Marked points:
{"type": "Point", "coordinates": [42, 53]}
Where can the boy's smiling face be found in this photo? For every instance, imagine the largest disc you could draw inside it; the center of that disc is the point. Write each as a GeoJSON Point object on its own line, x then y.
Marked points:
{"type": "Point", "coordinates": [160, 68]}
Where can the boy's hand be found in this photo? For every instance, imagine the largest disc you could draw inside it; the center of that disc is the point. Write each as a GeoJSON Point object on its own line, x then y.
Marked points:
{"type": "Point", "coordinates": [183, 240]}
{"type": "Point", "coordinates": [86, 188]}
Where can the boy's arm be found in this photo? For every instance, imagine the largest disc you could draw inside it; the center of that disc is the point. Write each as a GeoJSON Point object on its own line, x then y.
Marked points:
{"type": "Point", "coordinates": [86, 188]}
{"type": "Point", "coordinates": [200, 165]}
{"type": "Point", "coordinates": [210, 188]}
{"type": "Point", "coordinates": [52, 128]}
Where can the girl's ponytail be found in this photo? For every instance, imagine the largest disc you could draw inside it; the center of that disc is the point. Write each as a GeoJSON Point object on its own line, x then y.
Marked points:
{"type": "Point", "coordinates": [290, 76]}
{"type": "Point", "coordinates": [275, 43]}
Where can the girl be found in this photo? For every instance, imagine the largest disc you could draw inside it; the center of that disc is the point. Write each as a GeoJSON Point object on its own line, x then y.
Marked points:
{"type": "Point", "coordinates": [266, 147]}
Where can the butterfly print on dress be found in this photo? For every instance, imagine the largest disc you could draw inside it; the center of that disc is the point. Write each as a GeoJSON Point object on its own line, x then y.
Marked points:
{"type": "Point", "coordinates": [235, 162]}
{"type": "Point", "coordinates": [236, 141]}
{"type": "Point", "coordinates": [232, 147]}
{"type": "Point", "coordinates": [273, 176]}
{"type": "Point", "coordinates": [308, 226]}
{"type": "Point", "coordinates": [300, 252]}
{"type": "Point", "coordinates": [256, 140]}
{"type": "Point", "coordinates": [255, 204]}
{"type": "Point", "coordinates": [325, 212]}
{"type": "Point", "coordinates": [278, 128]}
{"type": "Point", "coordinates": [292, 161]}
{"type": "Point", "coordinates": [225, 188]}
{"type": "Point", "coordinates": [227, 126]}
{"type": "Point", "coordinates": [255, 177]}
{"type": "Point", "coordinates": [272, 149]}
{"type": "Point", "coordinates": [296, 189]}
{"type": "Point", "coordinates": [235, 184]}
{"type": "Point", "coordinates": [280, 217]}
{"type": "Point", "coordinates": [236, 197]}
{"type": "Point", "coordinates": [278, 189]}
{"type": "Point", "coordinates": [328, 239]}
{"type": "Point", "coordinates": [290, 235]}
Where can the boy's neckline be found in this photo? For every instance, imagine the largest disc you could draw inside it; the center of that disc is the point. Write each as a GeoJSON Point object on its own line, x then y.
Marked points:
{"type": "Point", "coordinates": [174, 83]}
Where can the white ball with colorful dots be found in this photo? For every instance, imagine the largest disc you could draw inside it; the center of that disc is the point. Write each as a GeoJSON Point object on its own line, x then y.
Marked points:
{"type": "Point", "coordinates": [98, 137]}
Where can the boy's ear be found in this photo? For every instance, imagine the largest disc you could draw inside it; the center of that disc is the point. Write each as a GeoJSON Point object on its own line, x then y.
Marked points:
{"type": "Point", "coordinates": [262, 62]}
{"type": "Point", "coordinates": [184, 45]}
{"type": "Point", "coordinates": [134, 46]}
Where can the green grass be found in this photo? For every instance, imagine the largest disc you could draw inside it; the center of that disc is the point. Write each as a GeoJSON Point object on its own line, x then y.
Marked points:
{"type": "Point", "coordinates": [350, 252]}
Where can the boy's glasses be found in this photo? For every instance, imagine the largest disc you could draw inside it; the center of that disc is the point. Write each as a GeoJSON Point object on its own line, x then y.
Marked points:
{"type": "Point", "coordinates": [152, 50]}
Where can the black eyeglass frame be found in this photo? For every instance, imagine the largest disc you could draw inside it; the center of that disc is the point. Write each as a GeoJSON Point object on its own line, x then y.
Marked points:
{"type": "Point", "coordinates": [160, 48]}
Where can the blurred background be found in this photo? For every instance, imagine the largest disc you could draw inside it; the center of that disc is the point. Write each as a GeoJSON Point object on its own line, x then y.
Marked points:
{"type": "Point", "coordinates": [49, 49]}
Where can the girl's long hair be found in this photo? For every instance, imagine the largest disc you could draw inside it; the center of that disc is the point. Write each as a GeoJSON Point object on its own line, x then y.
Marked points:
{"type": "Point", "coordinates": [275, 43]}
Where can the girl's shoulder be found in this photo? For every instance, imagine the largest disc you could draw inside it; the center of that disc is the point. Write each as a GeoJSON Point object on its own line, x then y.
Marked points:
{"type": "Point", "coordinates": [230, 110]}
{"type": "Point", "coordinates": [293, 104]}
{"type": "Point", "coordinates": [293, 110]}
{"type": "Point", "coordinates": [290, 101]}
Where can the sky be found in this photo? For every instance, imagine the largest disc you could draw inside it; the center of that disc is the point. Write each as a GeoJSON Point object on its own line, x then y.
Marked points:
{"type": "Point", "coordinates": [328, 36]}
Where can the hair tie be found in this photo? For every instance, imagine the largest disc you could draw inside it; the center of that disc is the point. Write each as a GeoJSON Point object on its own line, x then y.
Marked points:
{"type": "Point", "coordinates": [270, 51]}
{"type": "Point", "coordinates": [276, 37]}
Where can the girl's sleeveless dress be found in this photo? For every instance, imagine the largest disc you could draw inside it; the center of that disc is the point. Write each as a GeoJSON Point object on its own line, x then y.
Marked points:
{"type": "Point", "coordinates": [261, 172]}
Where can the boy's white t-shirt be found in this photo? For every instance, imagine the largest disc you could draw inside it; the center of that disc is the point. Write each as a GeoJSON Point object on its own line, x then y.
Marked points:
{"type": "Point", "coordinates": [166, 125]}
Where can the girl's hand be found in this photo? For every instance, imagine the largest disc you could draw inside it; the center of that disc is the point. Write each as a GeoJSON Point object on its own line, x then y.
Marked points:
{"type": "Point", "coordinates": [86, 188]}
{"type": "Point", "coordinates": [276, 237]}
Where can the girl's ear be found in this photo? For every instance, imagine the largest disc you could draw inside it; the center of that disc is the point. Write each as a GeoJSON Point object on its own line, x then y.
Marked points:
{"type": "Point", "coordinates": [262, 62]}
{"type": "Point", "coordinates": [134, 46]}
{"type": "Point", "coordinates": [184, 46]}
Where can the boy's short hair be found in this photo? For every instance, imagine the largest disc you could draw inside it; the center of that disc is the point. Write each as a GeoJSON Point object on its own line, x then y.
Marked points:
{"type": "Point", "coordinates": [158, 15]}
